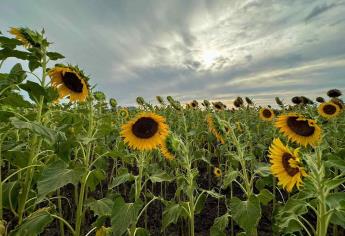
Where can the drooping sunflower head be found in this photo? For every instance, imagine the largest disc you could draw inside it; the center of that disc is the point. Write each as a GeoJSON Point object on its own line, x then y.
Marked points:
{"type": "Point", "coordinates": [205, 103]}
{"type": "Point", "coordinates": [339, 103]}
{"type": "Point", "coordinates": [299, 129]}
{"type": "Point", "coordinates": [27, 37]}
{"type": "Point", "coordinates": [328, 110]}
{"type": "Point", "coordinates": [217, 128]}
{"type": "Point", "coordinates": [145, 132]}
{"type": "Point", "coordinates": [217, 172]}
{"type": "Point", "coordinates": [320, 99]}
{"type": "Point", "coordinates": [238, 102]}
{"type": "Point", "coordinates": [296, 100]}
{"type": "Point", "coordinates": [333, 93]}
{"type": "Point", "coordinates": [123, 113]}
{"type": "Point", "coordinates": [219, 106]}
{"type": "Point", "coordinates": [113, 102]}
{"type": "Point", "coordinates": [279, 101]}
{"type": "Point", "coordinates": [286, 165]}
{"type": "Point", "coordinates": [168, 149]}
{"type": "Point", "coordinates": [69, 81]}
{"type": "Point", "coordinates": [266, 114]}
{"type": "Point", "coordinates": [160, 100]}
{"type": "Point", "coordinates": [194, 104]}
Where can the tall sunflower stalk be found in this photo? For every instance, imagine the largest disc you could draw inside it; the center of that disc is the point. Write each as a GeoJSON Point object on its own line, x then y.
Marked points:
{"type": "Point", "coordinates": [35, 141]}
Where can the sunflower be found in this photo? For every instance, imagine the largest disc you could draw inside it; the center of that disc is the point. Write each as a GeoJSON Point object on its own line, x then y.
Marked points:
{"type": "Point", "coordinates": [145, 132]}
{"type": "Point", "coordinates": [69, 81]}
{"type": "Point", "coordinates": [215, 128]}
{"type": "Point", "coordinates": [194, 104]}
{"type": "Point", "coordinates": [286, 165]}
{"type": "Point", "coordinates": [299, 129]}
{"type": "Point", "coordinates": [167, 149]}
{"type": "Point", "coordinates": [266, 114]}
{"type": "Point", "coordinates": [328, 110]}
{"type": "Point", "coordinates": [217, 172]}
{"type": "Point", "coordinates": [123, 112]}
{"type": "Point", "coordinates": [24, 35]}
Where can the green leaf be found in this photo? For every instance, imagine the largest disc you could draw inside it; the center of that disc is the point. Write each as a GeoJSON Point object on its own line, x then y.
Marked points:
{"type": "Point", "coordinates": [95, 178]}
{"type": "Point", "coordinates": [171, 214]}
{"type": "Point", "coordinates": [161, 177]}
{"type": "Point", "coordinates": [265, 196]}
{"type": "Point", "coordinates": [33, 65]}
{"type": "Point", "coordinates": [34, 90]}
{"type": "Point", "coordinates": [34, 224]}
{"type": "Point", "coordinates": [229, 177]}
{"type": "Point", "coordinates": [123, 215]}
{"type": "Point", "coordinates": [57, 175]}
{"type": "Point", "coordinates": [336, 162]}
{"type": "Point", "coordinates": [246, 213]}
{"type": "Point", "coordinates": [333, 183]}
{"type": "Point", "coordinates": [55, 56]}
{"type": "Point", "coordinates": [199, 205]}
{"type": "Point", "coordinates": [142, 232]}
{"type": "Point", "coordinates": [15, 100]}
{"type": "Point", "coordinates": [219, 225]}
{"type": "Point", "coordinates": [102, 207]}
{"type": "Point", "coordinates": [8, 42]}
{"type": "Point", "coordinates": [45, 132]}
{"type": "Point", "coordinates": [122, 177]}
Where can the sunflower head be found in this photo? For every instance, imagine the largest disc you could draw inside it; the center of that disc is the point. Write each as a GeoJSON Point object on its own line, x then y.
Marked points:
{"type": "Point", "coordinates": [238, 102]}
{"type": "Point", "coordinates": [145, 132]}
{"type": "Point", "coordinates": [217, 127]}
{"type": "Point", "coordinates": [28, 38]}
{"type": "Point", "coordinates": [99, 96]}
{"type": "Point", "coordinates": [285, 165]}
{"type": "Point", "coordinates": [266, 114]}
{"type": "Point", "coordinates": [296, 100]}
{"type": "Point", "coordinates": [320, 99]}
{"type": "Point", "coordinates": [70, 81]}
{"type": "Point", "coordinates": [123, 113]}
{"type": "Point", "coordinates": [140, 100]}
{"type": "Point", "coordinates": [194, 104]}
{"type": "Point", "coordinates": [249, 101]}
{"type": "Point", "coordinates": [334, 93]}
{"type": "Point", "coordinates": [299, 129]}
{"type": "Point", "coordinates": [328, 110]}
{"type": "Point", "coordinates": [278, 101]}
{"type": "Point", "coordinates": [338, 102]}
{"type": "Point", "coordinates": [217, 172]}
{"type": "Point", "coordinates": [219, 106]}
{"type": "Point", "coordinates": [206, 103]}
{"type": "Point", "coordinates": [160, 100]}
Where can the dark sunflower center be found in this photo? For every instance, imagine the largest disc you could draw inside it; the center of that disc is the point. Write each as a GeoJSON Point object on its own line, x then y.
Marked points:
{"type": "Point", "coordinates": [292, 171]}
{"type": "Point", "coordinates": [300, 127]}
{"type": "Point", "coordinates": [329, 109]}
{"type": "Point", "coordinates": [145, 127]}
{"type": "Point", "coordinates": [266, 113]}
{"type": "Point", "coordinates": [218, 106]}
{"type": "Point", "coordinates": [72, 82]}
{"type": "Point", "coordinates": [194, 104]}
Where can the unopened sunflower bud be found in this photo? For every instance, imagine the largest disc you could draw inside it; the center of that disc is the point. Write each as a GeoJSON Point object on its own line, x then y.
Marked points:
{"type": "Point", "coordinates": [99, 96]}
{"type": "Point", "coordinates": [249, 101]}
{"type": "Point", "coordinates": [140, 101]}
{"type": "Point", "coordinates": [160, 100]}
{"type": "Point", "coordinates": [113, 102]}
{"type": "Point", "coordinates": [333, 93]}
{"type": "Point", "coordinates": [279, 102]}
{"type": "Point", "coordinates": [206, 103]}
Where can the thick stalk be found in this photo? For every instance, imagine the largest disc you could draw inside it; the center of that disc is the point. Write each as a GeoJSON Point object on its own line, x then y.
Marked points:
{"type": "Point", "coordinates": [61, 224]}
{"type": "Point", "coordinates": [35, 146]}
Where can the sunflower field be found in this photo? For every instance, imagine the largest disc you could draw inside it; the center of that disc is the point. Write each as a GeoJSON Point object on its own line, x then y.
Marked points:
{"type": "Point", "coordinates": [75, 163]}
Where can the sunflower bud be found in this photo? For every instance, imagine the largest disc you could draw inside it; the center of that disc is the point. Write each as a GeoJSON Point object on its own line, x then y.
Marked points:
{"type": "Point", "coordinates": [333, 93]}
{"type": "Point", "coordinates": [249, 101]}
{"type": "Point", "coordinates": [279, 102]}
{"type": "Point", "coordinates": [99, 96]}
{"type": "Point", "coordinates": [194, 104]}
{"type": "Point", "coordinates": [160, 100]}
{"type": "Point", "coordinates": [206, 103]}
{"type": "Point", "coordinates": [140, 101]}
{"type": "Point", "coordinates": [320, 99]}
{"type": "Point", "coordinates": [113, 102]}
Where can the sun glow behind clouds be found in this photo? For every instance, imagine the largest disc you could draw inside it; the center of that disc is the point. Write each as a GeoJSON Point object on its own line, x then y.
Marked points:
{"type": "Point", "coordinates": [208, 57]}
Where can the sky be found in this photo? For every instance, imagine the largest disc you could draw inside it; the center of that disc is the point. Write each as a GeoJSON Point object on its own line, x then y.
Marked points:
{"type": "Point", "coordinates": [195, 49]}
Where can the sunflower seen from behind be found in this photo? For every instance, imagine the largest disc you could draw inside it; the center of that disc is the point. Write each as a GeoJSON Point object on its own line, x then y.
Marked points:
{"type": "Point", "coordinates": [266, 114]}
{"type": "Point", "coordinates": [299, 129]}
{"type": "Point", "coordinates": [145, 132]}
{"type": "Point", "coordinates": [328, 110]}
{"type": "Point", "coordinates": [216, 128]}
{"type": "Point", "coordinates": [167, 149]}
{"type": "Point", "coordinates": [286, 165]}
{"type": "Point", "coordinates": [69, 81]}
{"type": "Point", "coordinates": [27, 37]}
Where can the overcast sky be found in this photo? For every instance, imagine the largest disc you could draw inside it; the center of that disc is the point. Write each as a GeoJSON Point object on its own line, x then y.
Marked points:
{"type": "Point", "coordinates": [198, 49]}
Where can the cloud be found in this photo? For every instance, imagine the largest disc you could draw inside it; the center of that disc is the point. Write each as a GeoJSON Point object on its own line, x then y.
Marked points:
{"type": "Point", "coordinates": [319, 10]}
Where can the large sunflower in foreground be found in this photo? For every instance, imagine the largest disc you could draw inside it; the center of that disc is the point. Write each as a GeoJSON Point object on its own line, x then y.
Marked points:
{"type": "Point", "coordinates": [69, 81]}
{"type": "Point", "coordinates": [299, 129]}
{"type": "Point", "coordinates": [328, 110]}
{"type": "Point", "coordinates": [286, 165]}
{"type": "Point", "coordinates": [145, 132]}
{"type": "Point", "coordinates": [216, 128]}
{"type": "Point", "coordinates": [266, 114]}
